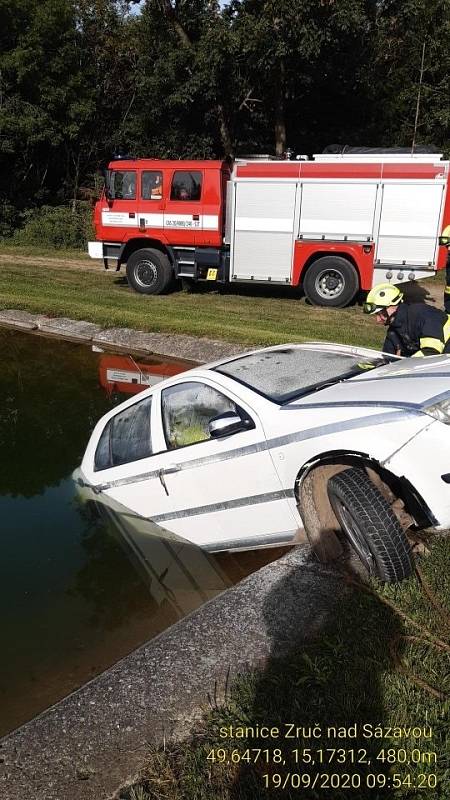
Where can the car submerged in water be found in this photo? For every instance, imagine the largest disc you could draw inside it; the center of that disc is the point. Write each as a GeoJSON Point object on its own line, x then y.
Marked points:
{"type": "Point", "coordinates": [316, 441]}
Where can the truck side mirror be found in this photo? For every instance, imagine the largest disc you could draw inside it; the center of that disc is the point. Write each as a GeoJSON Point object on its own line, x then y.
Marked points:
{"type": "Point", "coordinates": [109, 192]}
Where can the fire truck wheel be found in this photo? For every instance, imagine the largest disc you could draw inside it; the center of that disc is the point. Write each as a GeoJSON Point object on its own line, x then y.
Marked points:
{"type": "Point", "coordinates": [331, 281]}
{"type": "Point", "coordinates": [149, 271]}
{"type": "Point", "coordinates": [370, 526]}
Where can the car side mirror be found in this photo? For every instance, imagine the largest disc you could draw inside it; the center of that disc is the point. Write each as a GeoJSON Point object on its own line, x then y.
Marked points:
{"type": "Point", "coordinates": [227, 424]}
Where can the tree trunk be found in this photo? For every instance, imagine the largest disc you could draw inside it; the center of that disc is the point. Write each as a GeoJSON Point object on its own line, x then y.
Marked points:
{"type": "Point", "coordinates": [224, 131]}
{"type": "Point", "coordinates": [280, 121]}
{"type": "Point", "coordinates": [170, 14]}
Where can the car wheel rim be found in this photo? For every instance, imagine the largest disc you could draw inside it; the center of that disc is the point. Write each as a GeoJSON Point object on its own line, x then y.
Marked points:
{"type": "Point", "coordinates": [329, 284]}
{"type": "Point", "coordinates": [354, 535]}
{"type": "Point", "coordinates": [146, 273]}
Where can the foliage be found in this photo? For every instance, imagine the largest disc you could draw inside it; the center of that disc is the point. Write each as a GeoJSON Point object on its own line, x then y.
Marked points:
{"type": "Point", "coordinates": [201, 79]}
{"type": "Point", "coordinates": [56, 226]}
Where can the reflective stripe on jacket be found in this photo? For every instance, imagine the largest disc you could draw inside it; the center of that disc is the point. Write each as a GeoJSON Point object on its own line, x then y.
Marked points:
{"type": "Point", "coordinates": [418, 330]}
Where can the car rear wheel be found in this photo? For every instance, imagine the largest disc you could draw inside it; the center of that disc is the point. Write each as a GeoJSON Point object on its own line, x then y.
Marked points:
{"type": "Point", "coordinates": [370, 526]}
{"type": "Point", "coordinates": [149, 271]}
{"type": "Point", "coordinates": [331, 281]}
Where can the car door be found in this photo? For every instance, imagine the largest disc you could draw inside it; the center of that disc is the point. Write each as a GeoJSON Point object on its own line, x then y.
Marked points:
{"type": "Point", "coordinates": [219, 492]}
{"type": "Point", "coordinates": [120, 462]}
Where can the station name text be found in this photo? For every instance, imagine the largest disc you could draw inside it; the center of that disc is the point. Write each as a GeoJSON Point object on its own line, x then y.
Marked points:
{"type": "Point", "coordinates": [290, 730]}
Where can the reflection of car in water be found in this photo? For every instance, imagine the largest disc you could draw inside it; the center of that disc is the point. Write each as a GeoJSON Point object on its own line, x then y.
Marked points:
{"type": "Point", "coordinates": [254, 450]}
{"type": "Point", "coordinates": [174, 570]}
{"type": "Point", "coordinates": [126, 375]}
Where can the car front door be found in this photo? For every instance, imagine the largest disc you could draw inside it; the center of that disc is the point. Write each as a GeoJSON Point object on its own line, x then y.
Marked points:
{"type": "Point", "coordinates": [219, 492]}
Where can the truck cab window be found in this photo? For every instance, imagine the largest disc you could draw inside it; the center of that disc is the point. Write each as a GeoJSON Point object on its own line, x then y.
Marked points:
{"type": "Point", "coordinates": [124, 185]}
{"type": "Point", "coordinates": [186, 185]}
{"type": "Point", "coordinates": [151, 185]}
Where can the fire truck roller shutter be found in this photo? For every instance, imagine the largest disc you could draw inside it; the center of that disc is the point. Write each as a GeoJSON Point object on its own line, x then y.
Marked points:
{"type": "Point", "coordinates": [149, 271]}
{"type": "Point", "coordinates": [331, 281]}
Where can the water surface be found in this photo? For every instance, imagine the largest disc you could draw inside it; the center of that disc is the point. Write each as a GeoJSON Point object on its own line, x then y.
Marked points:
{"type": "Point", "coordinates": [79, 589]}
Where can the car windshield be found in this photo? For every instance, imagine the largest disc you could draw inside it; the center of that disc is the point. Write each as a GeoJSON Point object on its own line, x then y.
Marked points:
{"type": "Point", "coordinates": [284, 374]}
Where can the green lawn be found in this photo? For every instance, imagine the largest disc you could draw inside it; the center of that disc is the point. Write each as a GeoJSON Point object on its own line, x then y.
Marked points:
{"type": "Point", "coordinates": [363, 670]}
{"type": "Point", "coordinates": [249, 314]}
{"type": "Point", "coordinates": [8, 247]}
{"type": "Point", "coordinates": [252, 315]}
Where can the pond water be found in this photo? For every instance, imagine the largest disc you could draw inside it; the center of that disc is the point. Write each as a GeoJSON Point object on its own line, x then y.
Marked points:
{"type": "Point", "coordinates": [78, 590]}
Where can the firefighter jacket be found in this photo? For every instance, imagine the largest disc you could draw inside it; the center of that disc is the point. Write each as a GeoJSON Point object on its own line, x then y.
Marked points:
{"type": "Point", "coordinates": [418, 330]}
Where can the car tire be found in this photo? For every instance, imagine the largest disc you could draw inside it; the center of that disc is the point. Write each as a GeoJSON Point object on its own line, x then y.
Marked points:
{"type": "Point", "coordinates": [331, 281]}
{"type": "Point", "coordinates": [370, 526]}
{"type": "Point", "coordinates": [149, 271]}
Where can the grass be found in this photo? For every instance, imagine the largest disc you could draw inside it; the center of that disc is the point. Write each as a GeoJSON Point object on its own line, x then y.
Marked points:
{"type": "Point", "coordinates": [248, 314]}
{"type": "Point", "coordinates": [349, 676]}
{"type": "Point", "coordinates": [252, 316]}
{"type": "Point", "coordinates": [8, 247]}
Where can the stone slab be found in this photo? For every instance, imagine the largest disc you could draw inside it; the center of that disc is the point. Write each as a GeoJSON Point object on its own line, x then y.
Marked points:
{"type": "Point", "coordinates": [69, 329]}
{"type": "Point", "coordinates": [126, 340]}
{"type": "Point", "coordinates": [171, 345]}
{"type": "Point", "coordinates": [96, 740]}
{"type": "Point", "coordinates": [20, 320]}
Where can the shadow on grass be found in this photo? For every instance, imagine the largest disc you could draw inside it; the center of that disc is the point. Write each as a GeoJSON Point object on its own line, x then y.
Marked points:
{"type": "Point", "coordinates": [324, 698]}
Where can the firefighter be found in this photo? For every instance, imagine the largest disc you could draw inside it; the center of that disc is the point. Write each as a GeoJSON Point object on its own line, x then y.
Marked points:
{"type": "Point", "coordinates": [413, 330]}
{"type": "Point", "coordinates": [444, 240]}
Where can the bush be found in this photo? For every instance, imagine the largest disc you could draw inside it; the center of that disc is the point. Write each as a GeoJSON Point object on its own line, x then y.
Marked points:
{"type": "Point", "coordinates": [8, 218]}
{"type": "Point", "coordinates": [56, 226]}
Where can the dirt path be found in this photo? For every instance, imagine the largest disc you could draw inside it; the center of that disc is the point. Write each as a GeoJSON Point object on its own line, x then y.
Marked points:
{"type": "Point", "coordinates": [84, 265]}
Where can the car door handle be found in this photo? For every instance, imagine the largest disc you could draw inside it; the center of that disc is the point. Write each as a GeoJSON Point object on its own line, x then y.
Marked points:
{"type": "Point", "coordinates": [172, 468]}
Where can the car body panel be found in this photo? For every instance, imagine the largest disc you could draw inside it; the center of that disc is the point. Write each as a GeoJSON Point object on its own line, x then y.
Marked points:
{"type": "Point", "coordinates": [239, 491]}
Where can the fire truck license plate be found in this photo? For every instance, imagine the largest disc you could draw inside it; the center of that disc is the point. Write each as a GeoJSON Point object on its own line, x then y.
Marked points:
{"type": "Point", "coordinates": [211, 275]}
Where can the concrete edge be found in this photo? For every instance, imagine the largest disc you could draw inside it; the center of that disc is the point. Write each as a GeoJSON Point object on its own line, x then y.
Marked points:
{"type": "Point", "coordinates": [97, 740]}
{"type": "Point", "coordinates": [126, 340]}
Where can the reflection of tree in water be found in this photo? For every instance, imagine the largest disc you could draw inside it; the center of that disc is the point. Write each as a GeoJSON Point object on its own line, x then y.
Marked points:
{"type": "Point", "coordinates": [51, 401]}
{"type": "Point", "coordinates": [334, 681]}
{"type": "Point", "coordinates": [109, 584]}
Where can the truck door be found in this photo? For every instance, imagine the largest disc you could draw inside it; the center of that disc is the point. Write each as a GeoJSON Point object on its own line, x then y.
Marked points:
{"type": "Point", "coordinates": [119, 214]}
{"type": "Point", "coordinates": [151, 202]}
{"type": "Point", "coordinates": [183, 207]}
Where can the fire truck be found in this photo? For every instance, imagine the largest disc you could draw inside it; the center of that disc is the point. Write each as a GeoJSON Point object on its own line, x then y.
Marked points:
{"type": "Point", "coordinates": [334, 225]}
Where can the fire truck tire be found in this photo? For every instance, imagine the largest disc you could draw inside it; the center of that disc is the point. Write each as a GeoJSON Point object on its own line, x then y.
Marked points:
{"type": "Point", "coordinates": [370, 526]}
{"type": "Point", "coordinates": [149, 271]}
{"type": "Point", "coordinates": [331, 281]}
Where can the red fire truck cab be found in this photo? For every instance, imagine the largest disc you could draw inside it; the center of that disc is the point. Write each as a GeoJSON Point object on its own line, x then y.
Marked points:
{"type": "Point", "coordinates": [335, 225]}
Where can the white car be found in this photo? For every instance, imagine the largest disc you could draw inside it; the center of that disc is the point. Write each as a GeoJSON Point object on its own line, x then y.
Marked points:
{"type": "Point", "coordinates": [260, 449]}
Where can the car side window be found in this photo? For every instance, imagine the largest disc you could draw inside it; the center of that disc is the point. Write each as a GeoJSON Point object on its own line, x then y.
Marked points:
{"type": "Point", "coordinates": [186, 185]}
{"type": "Point", "coordinates": [187, 410]}
{"type": "Point", "coordinates": [126, 437]}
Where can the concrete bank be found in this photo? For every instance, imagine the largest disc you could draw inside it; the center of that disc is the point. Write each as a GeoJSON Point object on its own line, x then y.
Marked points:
{"type": "Point", "coordinates": [90, 744]}
{"type": "Point", "coordinates": [123, 340]}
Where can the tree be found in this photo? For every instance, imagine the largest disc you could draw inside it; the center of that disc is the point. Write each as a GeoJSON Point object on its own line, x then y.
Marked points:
{"type": "Point", "coordinates": [407, 76]}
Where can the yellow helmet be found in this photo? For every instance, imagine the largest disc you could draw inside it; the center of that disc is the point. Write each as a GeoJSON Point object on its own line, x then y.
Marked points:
{"type": "Point", "coordinates": [382, 296]}
{"type": "Point", "coordinates": [444, 238]}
